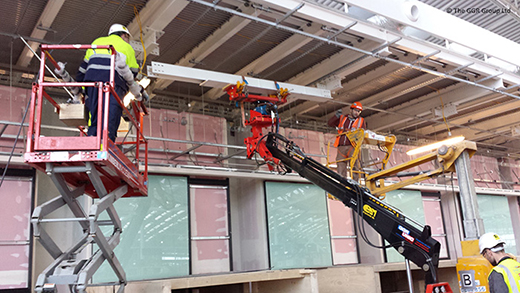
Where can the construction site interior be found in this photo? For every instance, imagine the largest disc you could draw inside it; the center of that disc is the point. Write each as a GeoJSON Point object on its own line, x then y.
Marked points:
{"type": "Point", "coordinates": [224, 179]}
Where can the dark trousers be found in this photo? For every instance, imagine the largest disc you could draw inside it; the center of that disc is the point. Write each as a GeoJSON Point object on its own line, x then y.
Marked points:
{"type": "Point", "coordinates": [344, 152]}
{"type": "Point", "coordinates": [114, 112]}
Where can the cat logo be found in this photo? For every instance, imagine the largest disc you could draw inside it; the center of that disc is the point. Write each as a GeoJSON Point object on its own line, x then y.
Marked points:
{"type": "Point", "coordinates": [369, 211]}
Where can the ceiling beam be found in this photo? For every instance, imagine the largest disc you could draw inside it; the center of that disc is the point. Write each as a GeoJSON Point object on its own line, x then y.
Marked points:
{"type": "Point", "coordinates": [211, 43]}
{"type": "Point", "coordinates": [489, 127]}
{"type": "Point", "coordinates": [340, 59]}
{"type": "Point", "coordinates": [371, 31]}
{"type": "Point", "coordinates": [370, 77]}
{"type": "Point", "coordinates": [270, 58]}
{"type": "Point", "coordinates": [406, 112]}
{"type": "Point", "coordinates": [443, 25]}
{"type": "Point", "coordinates": [473, 116]}
{"type": "Point", "coordinates": [155, 17]}
{"type": "Point", "coordinates": [399, 90]}
{"type": "Point", "coordinates": [43, 24]}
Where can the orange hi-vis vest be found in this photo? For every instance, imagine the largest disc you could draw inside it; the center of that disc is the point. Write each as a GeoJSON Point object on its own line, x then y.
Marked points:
{"type": "Point", "coordinates": [352, 126]}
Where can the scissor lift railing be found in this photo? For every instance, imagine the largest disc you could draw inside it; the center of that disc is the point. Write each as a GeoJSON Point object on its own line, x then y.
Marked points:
{"type": "Point", "coordinates": [77, 165]}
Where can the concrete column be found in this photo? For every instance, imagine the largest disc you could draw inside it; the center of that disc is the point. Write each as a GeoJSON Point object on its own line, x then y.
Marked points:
{"type": "Point", "coordinates": [248, 224]}
{"type": "Point", "coordinates": [473, 224]}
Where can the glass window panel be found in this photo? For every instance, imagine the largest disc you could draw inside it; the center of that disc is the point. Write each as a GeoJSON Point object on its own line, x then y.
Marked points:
{"type": "Point", "coordinates": [494, 211]}
{"type": "Point", "coordinates": [298, 226]}
{"type": "Point", "coordinates": [411, 204]}
{"type": "Point", "coordinates": [154, 243]}
{"type": "Point", "coordinates": [344, 250]}
{"type": "Point", "coordinates": [209, 224]}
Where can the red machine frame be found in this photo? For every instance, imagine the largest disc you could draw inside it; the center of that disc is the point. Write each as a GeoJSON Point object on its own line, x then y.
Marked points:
{"type": "Point", "coordinates": [255, 144]}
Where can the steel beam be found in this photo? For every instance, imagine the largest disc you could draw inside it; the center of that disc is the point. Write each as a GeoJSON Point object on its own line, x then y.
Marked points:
{"type": "Point", "coordinates": [218, 79]}
{"type": "Point", "coordinates": [45, 21]}
{"type": "Point", "coordinates": [339, 19]}
{"type": "Point", "coordinates": [155, 17]}
{"type": "Point", "coordinates": [270, 58]}
{"type": "Point", "coordinates": [423, 105]}
{"type": "Point", "coordinates": [483, 113]}
{"type": "Point", "coordinates": [496, 125]}
{"type": "Point", "coordinates": [441, 24]}
{"type": "Point", "coordinates": [211, 43]}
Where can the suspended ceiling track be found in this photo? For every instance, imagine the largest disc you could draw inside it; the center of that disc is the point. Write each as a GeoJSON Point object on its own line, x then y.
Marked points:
{"type": "Point", "coordinates": [375, 55]}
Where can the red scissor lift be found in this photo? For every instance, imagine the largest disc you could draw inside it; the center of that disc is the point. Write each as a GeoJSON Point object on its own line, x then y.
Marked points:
{"type": "Point", "coordinates": [92, 165]}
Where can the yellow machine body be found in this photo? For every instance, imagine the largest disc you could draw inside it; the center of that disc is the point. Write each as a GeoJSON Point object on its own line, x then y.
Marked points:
{"type": "Point", "coordinates": [472, 269]}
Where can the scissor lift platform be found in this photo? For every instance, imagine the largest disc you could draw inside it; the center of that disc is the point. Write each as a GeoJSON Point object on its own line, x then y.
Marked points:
{"type": "Point", "coordinates": [78, 165]}
{"type": "Point", "coordinates": [114, 168]}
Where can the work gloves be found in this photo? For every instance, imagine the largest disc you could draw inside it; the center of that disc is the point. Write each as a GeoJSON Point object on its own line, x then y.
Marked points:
{"type": "Point", "coordinates": [138, 91]}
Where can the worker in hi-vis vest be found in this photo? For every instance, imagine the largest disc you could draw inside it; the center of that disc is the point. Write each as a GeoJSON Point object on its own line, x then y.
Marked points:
{"type": "Point", "coordinates": [505, 276]}
{"type": "Point", "coordinates": [96, 67]}
{"type": "Point", "coordinates": [344, 124]}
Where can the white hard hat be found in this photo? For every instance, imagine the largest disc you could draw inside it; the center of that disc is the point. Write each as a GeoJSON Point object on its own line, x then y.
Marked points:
{"type": "Point", "coordinates": [489, 240]}
{"type": "Point", "coordinates": [118, 28]}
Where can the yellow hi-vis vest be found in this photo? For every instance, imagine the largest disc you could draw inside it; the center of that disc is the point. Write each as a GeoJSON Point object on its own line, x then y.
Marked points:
{"type": "Point", "coordinates": [341, 127]}
{"type": "Point", "coordinates": [510, 270]}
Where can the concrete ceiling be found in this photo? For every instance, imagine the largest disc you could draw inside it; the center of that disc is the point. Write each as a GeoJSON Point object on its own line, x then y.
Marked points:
{"type": "Point", "coordinates": [401, 74]}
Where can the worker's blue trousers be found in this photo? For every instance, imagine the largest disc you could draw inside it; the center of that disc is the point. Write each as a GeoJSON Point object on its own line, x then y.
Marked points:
{"type": "Point", "coordinates": [114, 112]}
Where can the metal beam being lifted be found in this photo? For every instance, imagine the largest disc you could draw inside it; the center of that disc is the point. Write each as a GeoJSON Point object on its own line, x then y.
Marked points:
{"type": "Point", "coordinates": [218, 79]}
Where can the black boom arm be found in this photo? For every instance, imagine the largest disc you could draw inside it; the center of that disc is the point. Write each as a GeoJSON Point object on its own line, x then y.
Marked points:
{"type": "Point", "coordinates": [416, 245]}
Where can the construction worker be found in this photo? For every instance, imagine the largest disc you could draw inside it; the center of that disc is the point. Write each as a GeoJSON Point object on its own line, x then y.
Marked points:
{"type": "Point", "coordinates": [345, 124]}
{"type": "Point", "coordinates": [96, 67]}
{"type": "Point", "coordinates": [505, 276]}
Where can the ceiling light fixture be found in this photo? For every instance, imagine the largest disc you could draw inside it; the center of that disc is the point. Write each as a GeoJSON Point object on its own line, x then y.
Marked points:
{"type": "Point", "coordinates": [435, 145]}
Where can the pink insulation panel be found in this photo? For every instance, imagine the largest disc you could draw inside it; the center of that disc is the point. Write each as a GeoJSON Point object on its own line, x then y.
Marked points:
{"type": "Point", "coordinates": [14, 267]}
{"type": "Point", "coordinates": [15, 210]}
{"type": "Point", "coordinates": [203, 128]}
{"type": "Point", "coordinates": [209, 211]}
{"type": "Point", "coordinates": [485, 171]}
{"type": "Point", "coordinates": [14, 102]}
{"type": "Point", "coordinates": [341, 222]}
{"type": "Point", "coordinates": [169, 124]}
